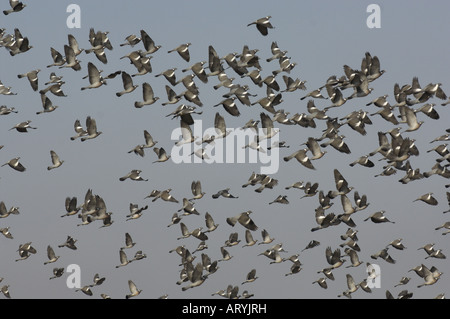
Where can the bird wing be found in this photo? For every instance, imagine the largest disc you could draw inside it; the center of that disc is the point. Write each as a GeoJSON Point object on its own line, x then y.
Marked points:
{"type": "Point", "coordinates": [77, 126]}
{"type": "Point", "coordinates": [346, 204]}
{"type": "Point", "coordinates": [262, 28]}
{"type": "Point", "coordinates": [18, 166]}
{"type": "Point", "coordinates": [50, 252]}
{"type": "Point", "coordinates": [245, 220]}
{"type": "Point", "coordinates": [123, 257]}
{"type": "Point", "coordinates": [147, 92]}
{"type": "Point", "coordinates": [336, 256]}
{"type": "Point", "coordinates": [219, 124]}
{"type": "Point", "coordinates": [251, 274]}
{"type": "Point", "coordinates": [197, 188]}
{"type": "Point", "coordinates": [128, 239]}
{"type": "Point", "coordinates": [73, 42]}
{"type": "Point", "coordinates": [232, 220]}
{"type": "Point", "coordinates": [46, 103]}
{"type": "Point", "coordinates": [313, 146]}
{"type": "Point", "coordinates": [353, 256]}
{"type": "Point", "coordinates": [132, 286]}
{"type": "Point", "coordinates": [303, 159]}
{"type": "Point", "coordinates": [265, 235]}
{"type": "Point", "coordinates": [186, 131]}
{"type": "Point", "coordinates": [93, 72]}
{"type": "Point", "coordinates": [55, 157]}
{"type": "Point", "coordinates": [194, 188]}
{"type": "Point", "coordinates": [248, 236]}
{"type": "Point", "coordinates": [209, 220]}
{"type": "Point", "coordinates": [147, 41]}
{"type": "Point", "coordinates": [340, 181]}
{"type": "Point", "coordinates": [197, 273]}
{"type": "Point", "coordinates": [328, 255]}
{"type": "Point", "coordinates": [56, 56]}
{"type": "Point", "coordinates": [375, 66]}
{"type": "Point", "coordinates": [224, 252]}
{"type": "Point", "coordinates": [100, 206]}
{"type": "Point", "coordinates": [91, 126]}
{"type": "Point", "coordinates": [351, 282]}
{"type": "Point", "coordinates": [184, 229]}
{"type": "Point", "coordinates": [148, 138]}
{"type": "Point", "coordinates": [70, 54]}
{"type": "Point", "coordinates": [320, 215]}
{"type": "Point", "coordinates": [266, 121]}
{"type": "Point", "coordinates": [213, 60]}
{"type": "Point", "coordinates": [162, 153]}
{"type": "Point", "coordinates": [411, 118]}
{"type": "Point", "coordinates": [183, 51]}
{"type": "Point", "coordinates": [233, 237]}
{"type": "Point", "coordinates": [127, 80]}
{"type": "Point", "coordinates": [67, 204]}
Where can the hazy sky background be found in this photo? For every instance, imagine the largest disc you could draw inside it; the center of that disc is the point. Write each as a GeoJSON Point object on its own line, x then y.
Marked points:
{"type": "Point", "coordinates": [321, 36]}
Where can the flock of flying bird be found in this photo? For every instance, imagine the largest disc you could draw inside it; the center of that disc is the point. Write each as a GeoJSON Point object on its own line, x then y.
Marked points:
{"type": "Point", "coordinates": [412, 101]}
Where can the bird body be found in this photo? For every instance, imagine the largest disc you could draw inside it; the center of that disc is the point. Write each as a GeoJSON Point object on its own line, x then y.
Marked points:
{"type": "Point", "coordinates": [301, 157]}
{"type": "Point", "coordinates": [224, 193]}
{"type": "Point", "coordinates": [32, 77]}
{"type": "Point", "coordinates": [183, 51]}
{"type": "Point", "coordinates": [129, 243]}
{"type": "Point", "coordinates": [210, 224]}
{"type": "Point", "coordinates": [123, 259]}
{"type": "Point", "coordinates": [170, 76]}
{"type": "Point", "coordinates": [428, 198]}
{"type": "Point", "coordinates": [15, 164]}
{"type": "Point", "coordinates": [334, 257]}
{"type": "Point", "coordinates": [56, 161]}
{"type": "Point", "coordinates": [379, 217]}
{"type": "Point", "coordinates": [134, 291]}
{"type": "Point", "coordinates": [149, 97]}
{"type": "Point", "coordinates": [23, 127]}
{"type": "Point", "coordinates": [95, 79]}
{"type": "Point", "coordinates": [69, 243]}
{"type": "Point", "coordinates": [5, 232]}
{"type": "Point", "coordinates": [251, 276]}
{"type": "Point", "coordinates": [16, 6]}
{"type": "Point", "coordinates": [243, 219]}
{"type": "Point", "coordinates": [262, 24]}
{"type": "Point", "coordinates": [196, 188]}
{"type": "Point", "coordinates": [352, 287]}
{"type": "Point", "coordinates": [250, 241]}
{"type": "Point", "coordinates": [128, 85]}
{"type": "Point", "coordinates": [188, 208]}
{"type": "Point", "coordinates": [91, 129]}
{"type": "Point", "coordinates": [51, 255]}
{"type": "Point", "coordinates": [133, 175]}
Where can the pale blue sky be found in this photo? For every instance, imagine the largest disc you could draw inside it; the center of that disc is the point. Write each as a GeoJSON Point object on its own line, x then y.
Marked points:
{"type": "Point", "coordinates": [321, 37]}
